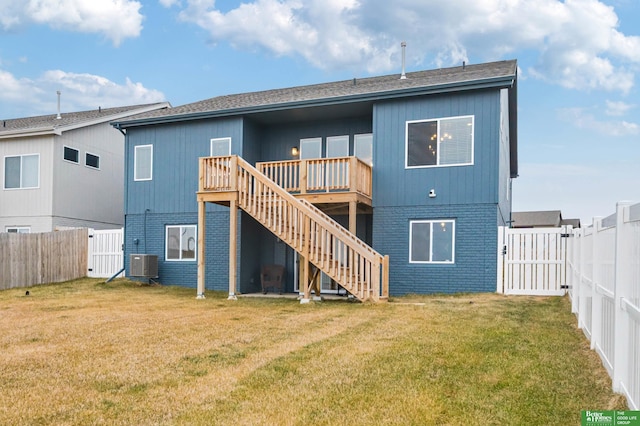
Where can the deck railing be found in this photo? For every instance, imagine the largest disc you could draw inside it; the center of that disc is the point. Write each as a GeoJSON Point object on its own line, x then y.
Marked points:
{"type": "Point", "coordinates": [315, 236]}
{"type": "Point", "coordinates": [340, 174]}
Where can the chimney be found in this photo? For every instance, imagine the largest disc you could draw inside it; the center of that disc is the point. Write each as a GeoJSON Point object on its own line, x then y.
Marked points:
{"type": "Point", "coordinates": [58, 116]}
{"type": "Point", "coordinates": [404, 46]}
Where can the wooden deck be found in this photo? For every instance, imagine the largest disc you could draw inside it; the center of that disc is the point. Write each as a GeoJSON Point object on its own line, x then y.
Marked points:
{"type": "Point", "coordinates": [294, 219]}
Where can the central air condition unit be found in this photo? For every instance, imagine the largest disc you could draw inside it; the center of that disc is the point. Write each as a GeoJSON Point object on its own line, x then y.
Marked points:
{"type": "Point", "coordinates": [144, 265]}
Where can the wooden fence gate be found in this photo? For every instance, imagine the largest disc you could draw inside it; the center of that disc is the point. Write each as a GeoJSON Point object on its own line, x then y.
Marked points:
{"type": "Point", "coordinates": [532, 261]}
{"type": "Point", "coordinates": [105, 253]}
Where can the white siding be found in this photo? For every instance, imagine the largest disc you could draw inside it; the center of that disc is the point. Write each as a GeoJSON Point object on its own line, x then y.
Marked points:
{"type": "Point", "coordinates": [87, 196]}
{"type": "Point", "coordinates": [33, 204]}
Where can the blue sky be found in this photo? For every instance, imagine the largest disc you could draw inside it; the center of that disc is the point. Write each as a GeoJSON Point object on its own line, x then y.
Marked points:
{"type": "Point", "coordinates": [579, 67]}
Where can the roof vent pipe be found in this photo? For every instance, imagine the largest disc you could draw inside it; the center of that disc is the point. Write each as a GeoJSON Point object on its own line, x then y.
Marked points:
{"type": "Point", "coordinates": [404, 47]}
{"type": "Point", "coordinates": [58, 116]}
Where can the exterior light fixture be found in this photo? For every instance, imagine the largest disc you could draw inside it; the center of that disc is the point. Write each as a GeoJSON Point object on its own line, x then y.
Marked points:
{"type": "Point", "coordinates": [294, 151]}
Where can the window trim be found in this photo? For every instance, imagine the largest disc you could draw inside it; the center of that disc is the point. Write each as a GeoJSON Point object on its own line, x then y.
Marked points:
{"type": "Point", "coordinates": [212, 140]}
{"type": "Point", "coordinates": [438, 121]}
{"type": "Point", "coordinates": [431, 261]}
{"type": "Point", "coordinates": [4, 176]}
{"type": "Point", "coordinates": [64, 147]}
{"type": "Point", "coordinates": [18, 229]}
{"type": "Point", "coordinates": [166, 243]}
{"type": "Point", "coordinates": [86, 154]}
{"type": "Point", "coordinates": [135, 163]}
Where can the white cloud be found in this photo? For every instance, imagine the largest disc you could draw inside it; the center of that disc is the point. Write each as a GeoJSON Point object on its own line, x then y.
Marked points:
{"type": "Point", "coordinates": [79, 92]}
{"type": "Point", "coordinates": [115, 19]}
{"type": "Point", "coordinates": [583, 119]}
{"type": "Point", "coordinates": [618, 108]}
{"type": "Point", "coordinates": [577, 41]}
{"type": "Point", "coordinates": [169, 3]}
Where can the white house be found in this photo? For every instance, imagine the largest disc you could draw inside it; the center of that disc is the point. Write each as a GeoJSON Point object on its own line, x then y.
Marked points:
{"type": "Point", "coordinates": [64, 170]}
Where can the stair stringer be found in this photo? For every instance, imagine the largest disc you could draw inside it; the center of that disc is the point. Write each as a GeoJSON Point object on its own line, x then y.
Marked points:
{"type": "Point", "coordinates": [319, 239]}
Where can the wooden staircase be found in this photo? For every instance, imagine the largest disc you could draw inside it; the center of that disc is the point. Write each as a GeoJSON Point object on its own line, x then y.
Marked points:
{"type": "Point", "coordinates": [317, 238]}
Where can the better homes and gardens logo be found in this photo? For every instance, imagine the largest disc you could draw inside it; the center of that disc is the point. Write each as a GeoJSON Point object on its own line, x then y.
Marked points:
{"type": "Point", "coordinates": [610, 418]}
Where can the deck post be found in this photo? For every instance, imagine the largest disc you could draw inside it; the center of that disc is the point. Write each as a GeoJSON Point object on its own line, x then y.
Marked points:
{"type": "Point", "coordinates": [303, 176]}
{"type": "Point", "coordinates": [233, 236]}
{"type": "Point", "coordinates": [353, 215]}
{"type": "Point", "coordinates": [201, 248]}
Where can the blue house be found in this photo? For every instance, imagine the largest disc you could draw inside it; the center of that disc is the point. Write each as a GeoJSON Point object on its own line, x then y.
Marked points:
{"type": "Point", "coordinates": [376, 186]}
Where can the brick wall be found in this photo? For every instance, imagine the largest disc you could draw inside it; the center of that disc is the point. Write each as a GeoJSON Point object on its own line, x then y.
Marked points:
{"type": "Point", "coordinates": [476, 242]}
{"type": "Point", "coordinates": [151, 240]}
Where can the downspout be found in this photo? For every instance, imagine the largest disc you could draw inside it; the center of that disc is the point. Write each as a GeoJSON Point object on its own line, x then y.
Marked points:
{"type": "Point", "coordinates": [117, 126]}
{"type": "Point", "coordinates": [115, 275]}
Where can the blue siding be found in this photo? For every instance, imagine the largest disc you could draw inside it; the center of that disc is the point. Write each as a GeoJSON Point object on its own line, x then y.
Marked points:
{"type": "Point", "coordinates": [476, 250]}
{"type": "Point", "coordinates": [277, 140]}
{"type": "Point", "coordinates": [475, 195]}
{"type": "Point", "coordinates": [176, 149]}
{"type": "Point", "coordinates": [504, 163]}
{"type": "Point", "coordinates": [477, 183]}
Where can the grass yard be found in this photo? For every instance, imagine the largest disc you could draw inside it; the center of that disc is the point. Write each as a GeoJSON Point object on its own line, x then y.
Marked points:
{"type": "Point", "coordinates": [85, 352]}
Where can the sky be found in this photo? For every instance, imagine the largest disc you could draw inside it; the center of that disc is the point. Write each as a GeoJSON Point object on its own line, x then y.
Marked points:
{"type": "Point", "coordinates": [578, 68]}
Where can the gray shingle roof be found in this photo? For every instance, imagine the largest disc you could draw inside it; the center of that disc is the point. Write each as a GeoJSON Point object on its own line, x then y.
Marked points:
{"type": "Point", "coordinates": [69, 119]}
{"type": "Point", "coordinates": [456, 76]}
{"type": "Point", "coordinates": [550, 218]}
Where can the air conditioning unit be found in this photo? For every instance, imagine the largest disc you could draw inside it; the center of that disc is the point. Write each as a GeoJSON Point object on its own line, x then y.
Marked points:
{"type": "Point", "coordinates": [144, 265]}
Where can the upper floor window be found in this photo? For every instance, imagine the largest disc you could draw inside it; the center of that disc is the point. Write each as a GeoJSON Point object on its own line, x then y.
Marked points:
{"type": "Point", "coordinates": [143, 162]}
{"type": "Point", "coordinates": [432, 241]}
{"type": "Point", "coordinates": [22, 171]}
{"type": "Point", "coordinates": [363, 147]}
{"type": "Point", "coordinates": [92, 160]}
{"type": "Point", "coordinates": [439, 142]}
{"type": "Point", "coordinates": [220, 147]}
{"type": "Point", "coordinates": [71, 154]}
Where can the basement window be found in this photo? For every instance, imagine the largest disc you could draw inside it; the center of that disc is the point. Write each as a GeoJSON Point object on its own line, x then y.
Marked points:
{"type": "Point", "coordinates": [432, 241]}
{"type": "Point", "coordinates": [18, 229]}
{"type": "Point", "coordinates": [181, 243]}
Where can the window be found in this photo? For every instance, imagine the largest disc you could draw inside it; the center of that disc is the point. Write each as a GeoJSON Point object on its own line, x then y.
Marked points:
{"type": "Point", "coordinates": [18, 229]}
{"type": "Point", "coordinates": [22, 171]}
{"type": "Point", "coordinates": [181, 242]}
{"type": "Point", "coordinates": [71, 154]}
{"type": "Point", "coordinates": [337, 146]}
{"type": "Point", "coordinates": [363, 147]}
{"type": "Point", "coordinates": [432, 241]}
{"type": "Point", "coordinates": [439, 142]}
{"type": "Point", "coordinates": [310, 148]}
{"type": "Point", "coordinates": [143, 162]}
{"type": "Point", "coordinates": [92, 161]}
{"type": "Point", "coordinates": [220, 147]}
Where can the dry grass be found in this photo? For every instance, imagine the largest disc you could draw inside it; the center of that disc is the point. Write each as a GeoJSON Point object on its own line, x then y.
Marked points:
{"type": "Point", "coordinates": [85, 352]}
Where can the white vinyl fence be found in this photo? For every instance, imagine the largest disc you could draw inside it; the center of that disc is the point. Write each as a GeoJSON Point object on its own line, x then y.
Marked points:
{"type": "Point", "coordinates": [105, 253]}
{"type": "Point", "coordinates": [532, 261]}
{"type": "Point", "coordinates": [603, 273]}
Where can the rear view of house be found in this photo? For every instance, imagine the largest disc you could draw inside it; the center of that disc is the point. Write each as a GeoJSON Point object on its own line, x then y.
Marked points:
{"type": "Point", "coordinates": [63, 170]}
{"type": "Point", "coordinates": [386, 185]}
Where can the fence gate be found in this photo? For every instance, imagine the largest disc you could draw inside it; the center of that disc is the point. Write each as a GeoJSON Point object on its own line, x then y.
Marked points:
{"type": "Point", "coordinates": [105, 257]}
{"type": "Point", "coordinates": [532, 261]}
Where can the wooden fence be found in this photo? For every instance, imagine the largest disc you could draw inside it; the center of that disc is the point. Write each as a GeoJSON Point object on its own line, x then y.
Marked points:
{"type": "Point", "coordinates": [32, 259]}
{"type": "Point", "coordinates": [603, 272]}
